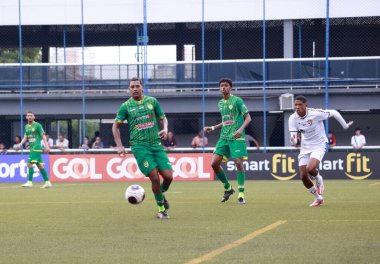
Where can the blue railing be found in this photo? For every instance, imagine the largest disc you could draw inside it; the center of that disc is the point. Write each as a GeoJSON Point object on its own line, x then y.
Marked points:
{"type": "Point", "coordinates": [187, 75]}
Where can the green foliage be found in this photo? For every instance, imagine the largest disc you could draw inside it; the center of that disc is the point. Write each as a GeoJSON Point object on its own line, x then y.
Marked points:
{"type": "Point", "coordinates": [12, 55]}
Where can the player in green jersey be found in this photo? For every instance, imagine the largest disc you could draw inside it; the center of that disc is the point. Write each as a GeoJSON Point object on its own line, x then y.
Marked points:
{"type": "Point", "coordinates": [141, 112]}
{"type": "Point", "coordinates": [235, 118]}
{"type": "Point", "coordinates": [33, 134]}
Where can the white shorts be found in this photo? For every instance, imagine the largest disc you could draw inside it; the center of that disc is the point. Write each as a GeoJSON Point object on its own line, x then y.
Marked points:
{"type": "Point", "coordinates": [303, 158]}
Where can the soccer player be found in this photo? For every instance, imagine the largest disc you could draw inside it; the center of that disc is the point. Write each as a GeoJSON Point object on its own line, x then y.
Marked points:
{"type": "Point", "coordinates": [235, 118]}
{"type": "Point", "coordinates": [141, 113]}
{"type": "Point", "coordinates": [309, 123]}
{"type": "Point", "coordinates": [33, 134]}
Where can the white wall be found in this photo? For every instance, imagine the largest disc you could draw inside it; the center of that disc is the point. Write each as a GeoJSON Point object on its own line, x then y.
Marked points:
{"type": "Point", "coordinates": [66, 12]}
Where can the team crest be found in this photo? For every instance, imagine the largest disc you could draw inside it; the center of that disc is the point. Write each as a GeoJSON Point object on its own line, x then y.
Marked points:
{"type": "Point", "coordinates": [150, 107]}
{"type": "Point", "coordinates": [230, 107]}
{"type": "Point", "coordinates": [146, 164]}
{"type": "Point", "coordinates": [310, 122]}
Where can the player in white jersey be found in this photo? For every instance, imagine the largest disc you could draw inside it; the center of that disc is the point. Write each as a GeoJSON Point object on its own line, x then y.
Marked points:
{"type": "Point", "coordinates": [308, 122]}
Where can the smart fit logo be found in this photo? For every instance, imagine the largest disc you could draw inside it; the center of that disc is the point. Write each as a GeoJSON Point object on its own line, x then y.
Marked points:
{"type": "Point", "coordinates": [283, 167]}
{"type": "Point", "coordinates": [357, 165]}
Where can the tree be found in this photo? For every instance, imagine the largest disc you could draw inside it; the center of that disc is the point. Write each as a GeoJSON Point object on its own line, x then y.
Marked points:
{"type": "Point", "coordinates": [12, 55]}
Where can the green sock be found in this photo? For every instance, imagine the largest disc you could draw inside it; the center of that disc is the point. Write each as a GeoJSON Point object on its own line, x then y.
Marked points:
{"type": "Point", "coordinates": [241, 180]}
{"type": "Point", "coordinates": [164, 188]}
{"type": "Point", "coordinates": [30, 173]}
{"type": "Point", "coordinates": [44, 175]}
{"type": "Point", "coordinates": [160, 201]}
{"type": "Point", "coordinates": [223, 178]}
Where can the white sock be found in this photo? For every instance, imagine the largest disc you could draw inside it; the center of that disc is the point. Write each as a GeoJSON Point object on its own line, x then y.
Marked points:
{"type": "Point", "coordinates": [313, 191]}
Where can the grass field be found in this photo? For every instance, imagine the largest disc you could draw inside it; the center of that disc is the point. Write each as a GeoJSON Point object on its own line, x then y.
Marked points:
{"type": "Point", "coordinates": [92, 223]}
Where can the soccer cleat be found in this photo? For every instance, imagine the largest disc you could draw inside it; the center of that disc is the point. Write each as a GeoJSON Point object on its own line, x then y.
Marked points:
{"type": "Point", "coordinates": [163, 215]}
{"type": "Point", "coordinates": [28, 184]}
{"type": "Point", "coordinates": [241, 200]}
{"type": "Point", "coordinates": [317, 202]}
{"type": "Point", "coordinates": [46, 185]}
{"type": "Point", "coordinates": [166, 204]}
{"type": "Point", "coordinates": [319, 184]}
{"type": "Point", "coordinates": [227, 194]}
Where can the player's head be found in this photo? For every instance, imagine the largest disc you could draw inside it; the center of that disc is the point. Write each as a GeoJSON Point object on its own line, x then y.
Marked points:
{"type": "Point", "coordinates": [136, 88]}
{"type": "Point", "coordinates": [30, 116]}
{"type": "Point", "coordinates": [225, 85]}
{"type": "Point", "coordinates": [300, 105]}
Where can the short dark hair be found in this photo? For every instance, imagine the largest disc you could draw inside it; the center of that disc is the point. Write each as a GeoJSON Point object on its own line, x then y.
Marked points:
{"type": "Point", "coordinates": [301, 98]}
{"type": "Point", "coordinates": [357, 129]}
{"type": "Point", "coordinates": [227, 80]}
{"type": "Point", "coordinates": [135, 79]}
{"type": "Point", "coordinates": [30, 112]}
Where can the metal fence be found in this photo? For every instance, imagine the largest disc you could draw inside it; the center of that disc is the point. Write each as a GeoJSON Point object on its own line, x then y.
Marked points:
{"type": "Point", "coordinates": [261, 56]}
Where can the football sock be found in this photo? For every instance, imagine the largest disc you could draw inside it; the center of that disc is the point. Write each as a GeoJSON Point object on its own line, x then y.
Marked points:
{"type": "Point", "coordinates": [313, 191]}
{"type": "Point", "coordinates": [163, 188]}
{"type": "Point", "coordinates": [44, 175]}
{"type": "Point", "coordinates": [241, 180]}
{"type": "Point", "coordinates": [241, 194]}
{"type": "Point", "coordinates": [30, 173]}
{"type": "Point", "coordinates": [223, 178]}
{"type": "Point", "coordinates": [160, 201]}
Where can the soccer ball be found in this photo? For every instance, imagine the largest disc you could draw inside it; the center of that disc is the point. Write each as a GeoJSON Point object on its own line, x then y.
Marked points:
{"type": "Point", "coordinates": [135, 194]}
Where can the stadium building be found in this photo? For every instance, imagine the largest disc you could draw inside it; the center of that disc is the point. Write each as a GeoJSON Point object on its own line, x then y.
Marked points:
{"type": "Point", "coordinates": [203, 48]}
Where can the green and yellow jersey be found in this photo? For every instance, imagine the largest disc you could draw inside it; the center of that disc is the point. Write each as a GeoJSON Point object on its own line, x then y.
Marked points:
{"type": "Point", "coordinates": [232, 111]}
{"type": "Point", "coordinates": [142, 119]}
{"type": "Point", "coordinates": [34, 132]}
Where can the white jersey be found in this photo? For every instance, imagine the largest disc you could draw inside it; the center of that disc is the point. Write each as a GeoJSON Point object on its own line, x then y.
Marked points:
{"type": "Point", "coordinates": [313, 135]}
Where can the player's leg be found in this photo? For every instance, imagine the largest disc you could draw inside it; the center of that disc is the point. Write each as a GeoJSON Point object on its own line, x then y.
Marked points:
{"type": "Point", "coordinates": [165, 170]}
{"type": "Point", "coordinates": [312, 168]}
{"type": "Point", "coordinates": [45, 176]}
{"type": "Point", "coordinates": [221, 174]}
{"type": "Point", "coordinates": [303, 161]}
{"type": "Point", "coordinates": [148, 166]}
{"type": "Point", "coordinates": [158, 195]}
{"type": "Point", "coordinates": [238, 149]}
{"type": "Point", "coordinates": [29, 183]}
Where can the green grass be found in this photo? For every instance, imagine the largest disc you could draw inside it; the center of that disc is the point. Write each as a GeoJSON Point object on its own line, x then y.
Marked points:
{"type": "Point", "coordinates": [92, 223]}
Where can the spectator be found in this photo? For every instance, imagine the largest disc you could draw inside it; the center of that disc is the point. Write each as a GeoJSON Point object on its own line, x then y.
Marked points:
{"type": "Point", "coordinates": [332, 140]}
{"type": "Point", "coordinates": [358, 140]}
{"type": "Point", "coordinates": [170, 142]}
{"type": "Point", "coordinates": [96, 134]}
{"type": "Point", "coordinates": [49, 141]}
{"type": "Point", "coordinates": [16, 143]}
{"type": "Point", "coordinates": [3, 150]}
{"type": "Point", "coordinates": [198, 140]}
{"type": "Point", "coordinates": [98, 143]}
{"type": "Point", "coordinates": [62, 143]}
{"type": "Point", "coordinates": [248, 139]}
{"type": "Point", "coordinates": [85, 145]}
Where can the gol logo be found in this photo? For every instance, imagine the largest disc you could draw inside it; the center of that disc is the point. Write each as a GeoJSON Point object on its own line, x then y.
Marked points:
{"type": "Point", "coordinates": [282, 166]}
{"type": "Point", "coordinates": [359, 163]}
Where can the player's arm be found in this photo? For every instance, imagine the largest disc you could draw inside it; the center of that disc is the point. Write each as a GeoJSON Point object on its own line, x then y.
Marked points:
{"type": "Point", "coordinates": [47, 147]}
{"type": "Point", "coordinates": [208, 129]}
{"type": "Point", "coordinates": [22, 142]}
{"type": "Point", "coordinates": [164, 131]}
{"type": "Point", "coordinates": [247, 120]}
{"type": "Point", "coordinates": [120, 117]}
{"type": "Point", "coordinates": [293, 130]}
{"type": "Point", "coordinates": [340, 119]}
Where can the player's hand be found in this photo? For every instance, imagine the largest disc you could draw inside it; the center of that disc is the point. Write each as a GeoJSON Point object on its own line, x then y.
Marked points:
{"type": "Point", "coordinates": [238, 133]}
{"type": "Point", "coordinates": [163, 134]}
{"type": "Point", "coordinates": [350, 123]}
{"type": "Point", "coordinates": [121, 151]}
{"type": "Point", "coordinates": [293, 140]}
{"type": "Point", "coordinates": [207, 129]}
